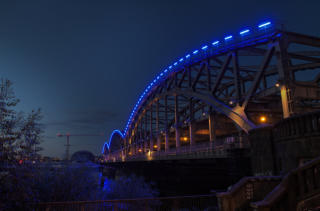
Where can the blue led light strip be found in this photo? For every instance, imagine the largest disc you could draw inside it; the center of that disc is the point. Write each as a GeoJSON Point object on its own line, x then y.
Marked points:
{"type": "Point", "coordinates": [216, 42]}
{"type": "Point", "coordinates": [228, 37]}
{"type": "Point", "coordinates": [108, 144]}
{"type": "Point", "coordinates": [244, 32]}
{"type": "Point", "coordinates": [204, 47]}
{"type": "Point", "coordinates": [264, 24]}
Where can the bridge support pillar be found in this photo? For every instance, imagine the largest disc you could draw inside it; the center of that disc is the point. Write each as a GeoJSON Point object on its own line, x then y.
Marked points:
{"type": "Point", "coordinates": [131, 149]}
{"type": "Point", "coordinates": [159, 143]}
{"type": "Point", "coordinates": [134, 149]}
{"type": "Point", "coordinates": [138, 147]}
{"type": "Point", "coordinates": [191, 133]}
{"type": "Point", "coordinates": [285, 99]}
{"type": "Point", "coordinates": [176, 117]}
{"type": "Point", "coordinates": [177, 138]}
{"type": "Point", "coordinates": [166, 141]}
{"type": "Point", "coordinates": [145, 146]}
{"type": "Point", "coordinates": [151, 144]}
{"type": "Point", "coordinates": [285, 76]}
{"type": "Point", "coordinates": [212, 131]}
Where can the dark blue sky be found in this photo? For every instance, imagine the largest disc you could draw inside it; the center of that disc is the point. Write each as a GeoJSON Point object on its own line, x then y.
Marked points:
{"type": "Point", "coordinates": [86, 62]}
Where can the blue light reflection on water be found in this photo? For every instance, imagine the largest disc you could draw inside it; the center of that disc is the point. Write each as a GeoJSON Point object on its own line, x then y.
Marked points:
{"type": "Point", "coordinates": [105, 183]}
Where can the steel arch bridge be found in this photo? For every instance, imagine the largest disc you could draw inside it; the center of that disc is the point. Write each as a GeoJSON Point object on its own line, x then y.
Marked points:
{"type": "Point", "coordinates": [211, 98]}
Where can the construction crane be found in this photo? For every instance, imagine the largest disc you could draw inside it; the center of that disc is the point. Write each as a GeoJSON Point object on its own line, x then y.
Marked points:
{"type": "Point", "coordinates": [68, 140]}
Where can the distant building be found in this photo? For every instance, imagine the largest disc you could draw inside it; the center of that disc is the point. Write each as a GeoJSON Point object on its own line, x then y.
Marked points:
{"type": "Point", "coordinates": [83, 156]}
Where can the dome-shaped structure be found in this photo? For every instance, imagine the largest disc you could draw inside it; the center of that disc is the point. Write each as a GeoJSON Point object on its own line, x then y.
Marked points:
{"type": "Point", "coordinates": [83, 156]}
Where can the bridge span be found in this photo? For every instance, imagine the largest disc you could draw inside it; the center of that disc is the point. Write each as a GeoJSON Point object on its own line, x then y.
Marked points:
{"type": "Point", "coordinates": [206, 103]}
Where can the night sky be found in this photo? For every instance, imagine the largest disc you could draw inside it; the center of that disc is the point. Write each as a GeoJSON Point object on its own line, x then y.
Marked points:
{"type": "Point", "coordinates": [85, 63]}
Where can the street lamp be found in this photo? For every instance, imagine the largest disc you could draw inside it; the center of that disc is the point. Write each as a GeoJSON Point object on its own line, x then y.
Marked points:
{"type": "Point", "coordinates": [263, 119]}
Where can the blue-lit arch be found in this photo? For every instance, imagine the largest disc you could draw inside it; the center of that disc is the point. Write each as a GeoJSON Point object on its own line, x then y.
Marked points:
{"type": "Point", "coordinates": [108, 144]}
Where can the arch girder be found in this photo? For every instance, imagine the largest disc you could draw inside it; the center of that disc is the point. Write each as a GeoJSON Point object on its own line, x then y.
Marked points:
{"type": "Point", "coordinates": [236, 114]}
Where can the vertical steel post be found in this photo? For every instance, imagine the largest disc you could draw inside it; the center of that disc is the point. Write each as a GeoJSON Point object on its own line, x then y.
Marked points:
{"type": "Point", "coordinates": [133, 148]}
{"type": "Point", "coordinates": [191, 133]}
{"type": "Point", "coordinates": [212, 132]}
{"type": "Point", "coordinates": [283, 62]}
{"type": "Point", "coordinates": [166, 124]}
{"type": "Point", "coordinates": [166, 139]}
{"type": "Point", "coordinates": [145, 138]}
{"type": "Point", "coordinates": [150, 132]}
{"type": "Point", "coordinates": [141, 135]}
{"type": "Point", "coordinates": [285, 100]}
{"type": "Point", "coordinates": [208, 74]}
{"type": "Point", "coordinates": [157, 127]}
{"type": "Point", "coordinates": [191, 123]}
{"type": "Point", "coordinates": [176, 117]}
{"type": "Point", "coordinates": [236, 74]}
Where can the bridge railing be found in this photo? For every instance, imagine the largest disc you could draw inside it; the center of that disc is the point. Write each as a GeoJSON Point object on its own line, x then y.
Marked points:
{"type": "Point", "coordinates": [217, 148]}
{"type": "Point", "coordinates": [199, 202]}
{"type": "Point", "coordinates": [248, 189]}
{"type": "Point", "coordinates": [300, 184]}
{"type": "Point", "coordinates": [293, 127]}
{"type": "Point", "coordinates": [298, 126]}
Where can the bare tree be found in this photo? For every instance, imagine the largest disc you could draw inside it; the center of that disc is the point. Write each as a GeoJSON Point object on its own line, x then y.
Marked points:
{"type": "Point", "coordinates": [31, 136]}
{"type": "Point", "coordinates": [20, 135]}
{"type": "Point", "coordinates": [9, 121]}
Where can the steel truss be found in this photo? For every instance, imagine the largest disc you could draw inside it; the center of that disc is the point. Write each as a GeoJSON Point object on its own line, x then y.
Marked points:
{"type": "Point", "coordinates": [228, 90]}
